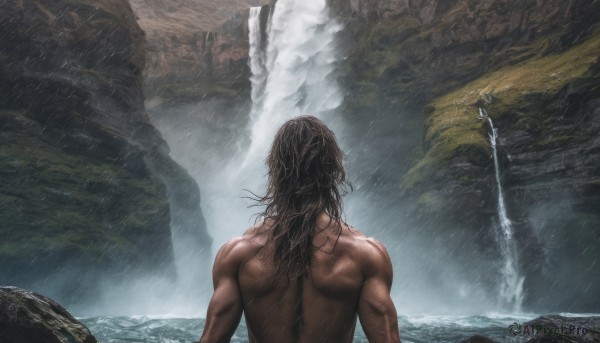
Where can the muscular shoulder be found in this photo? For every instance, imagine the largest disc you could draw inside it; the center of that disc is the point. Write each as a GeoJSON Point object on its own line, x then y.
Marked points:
{"type": "Point", "coordinates": [371, 255]}
{"type": "Point", "coordinates": [236, 251]}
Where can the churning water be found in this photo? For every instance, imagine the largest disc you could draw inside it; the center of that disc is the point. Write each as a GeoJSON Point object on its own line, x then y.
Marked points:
{"type": "Point", "coordinates": [413, 329]}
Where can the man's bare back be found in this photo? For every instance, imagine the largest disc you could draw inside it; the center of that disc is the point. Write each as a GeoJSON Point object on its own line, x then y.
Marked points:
{"type": "Point", "coordinates": [350, 275]}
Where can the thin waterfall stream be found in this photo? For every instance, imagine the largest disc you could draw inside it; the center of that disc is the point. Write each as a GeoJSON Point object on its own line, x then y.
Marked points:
{"type": "Point", "coordinates": [511, 288]}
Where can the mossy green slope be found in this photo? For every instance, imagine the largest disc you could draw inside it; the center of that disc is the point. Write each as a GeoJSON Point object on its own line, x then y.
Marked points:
{"type": "Point", "coordinates": [453, 124]}
{"type": "Point", "coordinates": [400, 56]}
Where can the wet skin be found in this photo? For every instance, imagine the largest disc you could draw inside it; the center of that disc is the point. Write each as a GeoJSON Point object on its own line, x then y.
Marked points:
{"type": "Point", "coordinates": [349, 276]}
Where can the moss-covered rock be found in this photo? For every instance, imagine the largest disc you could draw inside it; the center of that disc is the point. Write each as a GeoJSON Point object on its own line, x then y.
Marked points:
{"type": "Point", "coordinates": [416, 73]}
{"type": "Point", "coordinates": [85, 178]}
{"type": "Point", "coordinates": [513, 96]}
{"type": "Point", "coordinates": [400, 56]}
{"type": "Point", "coordinates": [546, 112]}
{"type": "Point", "coordinates": [57, 204]}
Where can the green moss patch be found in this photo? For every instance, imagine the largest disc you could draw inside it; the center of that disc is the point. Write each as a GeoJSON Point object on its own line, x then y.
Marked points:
{"type": "Point", "coordinates": [57, 202]}
{"type": "Point", "coordinates": [453, 124]}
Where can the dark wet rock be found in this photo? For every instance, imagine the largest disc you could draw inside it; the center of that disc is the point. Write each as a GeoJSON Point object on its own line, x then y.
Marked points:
{"type": "Point", "coordinates": [86, 178]}
{"type": "Point", "coordinates": [477, 339]}
{"type": "Point", "coordinates": [27, 317]}
{"type": "Point", "coordinates": [558, 329]}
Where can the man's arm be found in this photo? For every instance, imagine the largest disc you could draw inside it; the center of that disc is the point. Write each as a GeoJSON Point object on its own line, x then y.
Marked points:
{"type": "Point", "coordinates": [225, 308]}
{"type": "Point", "coordinates": [375, 307]}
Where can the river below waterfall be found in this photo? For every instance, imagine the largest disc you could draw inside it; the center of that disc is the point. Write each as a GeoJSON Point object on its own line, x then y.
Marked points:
{"type": "Point", "coordinates": [413, 329]}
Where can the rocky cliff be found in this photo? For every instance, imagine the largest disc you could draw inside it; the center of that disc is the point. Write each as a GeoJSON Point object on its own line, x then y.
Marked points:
{"type": "Point", "coordinates": [426, 67]}
{"type": "Point", "coordinates": [86, 179]}
{"type": "Point", "coordinates": [195, 50]}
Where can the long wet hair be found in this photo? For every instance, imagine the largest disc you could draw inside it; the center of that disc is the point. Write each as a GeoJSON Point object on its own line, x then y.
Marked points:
{"type": "Point", "coordinates": [306, 177]}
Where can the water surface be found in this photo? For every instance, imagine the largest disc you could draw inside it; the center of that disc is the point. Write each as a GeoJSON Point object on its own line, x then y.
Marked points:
{"type": "Point", "coordinates": [413, 329]}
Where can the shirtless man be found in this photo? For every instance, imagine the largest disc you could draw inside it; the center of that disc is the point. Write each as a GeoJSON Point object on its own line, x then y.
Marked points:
{"type": "Point", "coordinates": [302, 274]}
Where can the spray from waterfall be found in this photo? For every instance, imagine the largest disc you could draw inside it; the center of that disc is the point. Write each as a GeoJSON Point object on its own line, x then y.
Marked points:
{"type": "Point", "coordinates": [511, 288]}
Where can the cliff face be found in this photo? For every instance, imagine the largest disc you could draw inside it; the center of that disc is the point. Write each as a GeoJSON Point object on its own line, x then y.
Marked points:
{"type": "Point", "coordinates": [402, 54]}
{"type": "Point", "coordinates": [195, 49]}
{"type": "Point", "coordinates": [85, 177]}
{"type": "Point", "coordinates": [427, 66]}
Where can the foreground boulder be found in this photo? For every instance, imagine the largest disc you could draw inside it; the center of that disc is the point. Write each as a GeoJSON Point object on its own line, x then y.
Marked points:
{"type": "Point", "coordinates": [478, 339]}
{"type": "Point", "coordinates": [554, 329]}
{"type": "Point", "coordinates": [29, 318]}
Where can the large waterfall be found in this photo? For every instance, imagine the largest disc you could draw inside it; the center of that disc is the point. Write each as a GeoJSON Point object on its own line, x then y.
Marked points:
{"type": "Point", "coordinates": [511, 288]}
{"type": "Point", "coordinates": [292, 60]}
{"type": "Point", "coordinates": [293, 71]}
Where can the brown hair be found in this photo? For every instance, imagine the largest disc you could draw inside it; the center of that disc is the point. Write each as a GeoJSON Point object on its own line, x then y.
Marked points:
{"type": "Point", "coordinates": [306, 177]}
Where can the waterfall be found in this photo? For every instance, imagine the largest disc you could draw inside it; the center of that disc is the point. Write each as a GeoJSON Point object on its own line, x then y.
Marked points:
{"type": "Point", "coordinates": [292, 59]}
{"type": "Point", "coordinates": [207, 40]}
{"type": "Point", "coordinates": [511, 288]}
{"type": "Point", "coordinates": [257, 54]}
{"type": "Point", "coordinates": [293, 71]}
